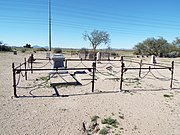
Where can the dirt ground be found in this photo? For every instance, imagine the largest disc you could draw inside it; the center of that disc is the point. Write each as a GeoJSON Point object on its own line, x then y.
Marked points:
{"type": "Point", "coordinates": [146, 106]}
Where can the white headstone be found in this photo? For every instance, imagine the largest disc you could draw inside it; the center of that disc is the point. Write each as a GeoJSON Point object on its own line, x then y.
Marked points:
{"type": "Point", "coordinates": [153, 59]}
{"type": "Point", "coordinates": [98, 56]}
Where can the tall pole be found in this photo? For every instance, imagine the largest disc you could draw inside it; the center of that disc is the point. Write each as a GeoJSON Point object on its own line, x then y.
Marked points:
{"type": "Point", "coordinates": [49, 13]}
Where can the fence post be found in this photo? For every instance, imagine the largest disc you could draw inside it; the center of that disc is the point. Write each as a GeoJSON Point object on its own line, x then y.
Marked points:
{"type": "Point", "coordinates": [172, 73]}
{"type": "Point", "coordinates": [94, 69]}
{"type": "Point", "coordinates": [122, 69]}
{"type": "Point", "coordinates": [140, 68]}
{"type": "Point", "coordinates": [65, 63]}
{"type": "Point", "coordinates": [14, 80]}
{"type": "Point", "coordinates": [25, 66]}
{"type": "Point", "coordinates": [32, 58]}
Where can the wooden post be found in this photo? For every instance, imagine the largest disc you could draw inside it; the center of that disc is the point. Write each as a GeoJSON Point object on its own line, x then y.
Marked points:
{"type": "Point", "coordinates": [122, 69]}
{"type": "Point", "coordinates": [140, 68]}
{"type": "Point", "coordinates": [14, 80]}
{"type": "Point", "coordinates": [25, 66]}
{"type": "Point", "coordinates": [172, 73]}
{"type": "Point", "coordinates": [94, 69]}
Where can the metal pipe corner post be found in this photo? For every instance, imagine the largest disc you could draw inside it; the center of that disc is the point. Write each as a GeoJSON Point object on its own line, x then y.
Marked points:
{"type": "Point", "coordinates": [122, 71]}
{"type": "Point", "coordinates": [66, 63]}
{"type": "Point", "coordinates": [14, 80]}
{"type": "Point", "coordinates": [94, 69]}
{"type": "Point", "coordinates": [32, 59]}
{"type": "Point", "coordinates": [172, 73]}
{"type": "Point", "coordinates": [25, 66]}
{"type": "Point", "coordinates": [140, 64]}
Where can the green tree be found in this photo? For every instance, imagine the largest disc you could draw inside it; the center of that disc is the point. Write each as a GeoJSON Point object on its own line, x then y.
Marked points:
{"type": "Point", "coordinates": [4, 47]}
{"type": "Point", "coordinates": [140, 49]}
{"type": "Point", "coordinates": [27, 46]}
{"type": "Point", "coordinates": [162, 46]}
{"type": "Point", "coordinates": [176, 42]}
{"type": "Point", "coordinates": [96, 38]}
{"type": "Point", "coordinates": [151, 46]}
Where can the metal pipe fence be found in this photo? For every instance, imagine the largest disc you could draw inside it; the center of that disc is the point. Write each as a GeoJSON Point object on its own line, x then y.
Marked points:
{"type": "Point", "coordinates": [27, 66]}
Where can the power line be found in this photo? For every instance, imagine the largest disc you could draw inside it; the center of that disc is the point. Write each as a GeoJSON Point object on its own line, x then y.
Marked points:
{"type": "Point", "coordinates": [83, 18]}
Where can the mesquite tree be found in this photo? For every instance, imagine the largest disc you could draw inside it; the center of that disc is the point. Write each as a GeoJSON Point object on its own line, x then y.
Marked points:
{"type": "Point", "coordinates": [96, 38]}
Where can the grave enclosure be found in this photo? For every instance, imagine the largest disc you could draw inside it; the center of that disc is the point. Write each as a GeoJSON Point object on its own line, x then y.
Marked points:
{"type": "Point", "coordinates": [27, 68]}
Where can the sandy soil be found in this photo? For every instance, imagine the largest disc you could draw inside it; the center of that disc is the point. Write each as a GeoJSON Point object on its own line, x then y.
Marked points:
{"type": "Point", "coordinates": [149, 107]}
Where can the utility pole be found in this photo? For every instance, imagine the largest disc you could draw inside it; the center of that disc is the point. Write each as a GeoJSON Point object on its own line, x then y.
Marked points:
{"type": "Point", "coordinates": [49, 13]}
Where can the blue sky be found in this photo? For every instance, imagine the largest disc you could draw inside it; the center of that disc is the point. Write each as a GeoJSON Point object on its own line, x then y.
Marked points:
{"type": "Point", "coordinates": [127, 21]}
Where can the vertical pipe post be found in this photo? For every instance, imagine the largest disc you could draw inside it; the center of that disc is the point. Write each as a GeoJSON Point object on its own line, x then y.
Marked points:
{"type": "Point", "coordinates": [94, 69]}
{"type": "Point", "coordinates": [140, 68]}
{"type": "Point", "coordinates": [122, 69]}
{"type": "Point", "coordinates": [31, 59]}
{"type": "Point", "coordinates": [25, 66]}
{"type": "Point", "coordinates": [65, 63]}
{"type": "Point", "coordinates": [172, 73]}
{"type": "Point", "coordinates": [14, 80]}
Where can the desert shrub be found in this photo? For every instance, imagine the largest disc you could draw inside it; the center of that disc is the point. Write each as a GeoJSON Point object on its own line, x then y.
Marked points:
{"type": "Point", "coordinates": [41, 49]}
{"type": "Point", "coordinates": [103, 131]}
{"type": "Point", "coordinates": [94, 118]}
{"type": "Point", "coordinates": [84, 50]}
{"type": "Point", "coordinates": [110, 121]}
{"type": "Point", "coordinates": [57, 50]}
{"type": "Point", "coordinates": [23, 50]}
{"type": "Point", "coordinates": [114, 54]}
{"type": "Point", "coordinates": [5, 48]}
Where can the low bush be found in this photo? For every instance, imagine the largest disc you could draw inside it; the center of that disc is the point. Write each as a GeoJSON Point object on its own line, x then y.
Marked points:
{"type": "Point", "coordinates": [23, 50]}
{"type": "Point", "coordinates": [41, 49]}
{"type": "Point", "coordinates": [57, 50]}
{"type": "Point", "coordinates": [110, 121]}
{"type": "Point", "coordinates": [5, 48]}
